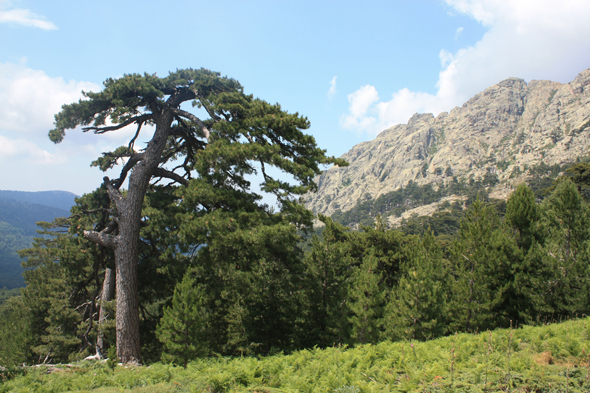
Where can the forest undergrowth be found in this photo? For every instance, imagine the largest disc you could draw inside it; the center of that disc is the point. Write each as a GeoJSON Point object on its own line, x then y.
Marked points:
{"type": "Point", "coordinates": [545, 358]}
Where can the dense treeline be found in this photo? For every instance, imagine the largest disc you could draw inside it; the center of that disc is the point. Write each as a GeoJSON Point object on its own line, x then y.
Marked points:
{"type": "Point", "coordinates": [530, 266]}
{"type": "Point", "coordinates": [396, 202]}
{"type": "Point", "coordinates": [236, 281]}
{"type": "Point", "coordinates": [540, 179]}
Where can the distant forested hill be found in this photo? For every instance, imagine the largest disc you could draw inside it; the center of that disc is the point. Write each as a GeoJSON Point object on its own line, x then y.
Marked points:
{"type": "Point", "coordinates": [19, 212]}
{"type": "Point", "coordinates": [23, 215]}
{"type": "Point", "coordinates": [60, 199]}
{"type": "Point", "coordinates": [11, 240]}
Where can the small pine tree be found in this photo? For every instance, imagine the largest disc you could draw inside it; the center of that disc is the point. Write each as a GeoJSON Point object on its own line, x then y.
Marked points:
{"type": "Point", "coordinates": [367, 300]}
{"type": "Point", "coordinates": [522, 215]}
{"type": "Point", "coordinates": [328, 272]}
{"type": "Point", "coordinates": [567, 250]}
{"type": "Point", "coordinates": [481, 268]}
{"type": "Point", "coordinates": [418, 305]}
{"type": "Point", "coordinates": [182, 329]}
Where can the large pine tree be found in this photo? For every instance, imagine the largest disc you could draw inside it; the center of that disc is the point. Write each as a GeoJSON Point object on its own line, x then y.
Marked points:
{"type": "Point", "coordinates": [524, 296]}
{"type": "Point", "coordinates": [240, 136]}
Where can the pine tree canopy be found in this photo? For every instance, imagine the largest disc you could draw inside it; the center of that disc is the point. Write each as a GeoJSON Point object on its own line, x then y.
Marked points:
{"type": "Point", "coordinates": [263, 133]}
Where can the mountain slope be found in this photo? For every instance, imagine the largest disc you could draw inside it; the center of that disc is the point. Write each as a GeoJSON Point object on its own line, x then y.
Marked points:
{"type": "Point", "coordinates": [499, 134]}
{"type": "Point", "coordinates": [11, 240]}
{"type": "Point", "coordinates": [23, 215]}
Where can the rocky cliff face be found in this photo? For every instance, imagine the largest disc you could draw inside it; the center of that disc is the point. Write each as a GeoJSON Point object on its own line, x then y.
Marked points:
{"type": "Point", "coordinates": [502, 132]}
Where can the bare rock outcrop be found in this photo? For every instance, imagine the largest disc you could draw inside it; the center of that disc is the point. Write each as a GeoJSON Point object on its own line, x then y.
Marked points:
{"type": "Point", "coordinates": [501, 131]}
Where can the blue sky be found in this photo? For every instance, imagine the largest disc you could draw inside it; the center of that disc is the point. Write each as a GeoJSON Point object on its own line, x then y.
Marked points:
{"type": "Point", "coordinates": [353, 68]}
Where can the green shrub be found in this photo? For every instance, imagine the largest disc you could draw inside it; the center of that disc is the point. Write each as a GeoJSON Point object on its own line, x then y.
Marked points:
{"type": "Point", "coordinates": [540, 359]}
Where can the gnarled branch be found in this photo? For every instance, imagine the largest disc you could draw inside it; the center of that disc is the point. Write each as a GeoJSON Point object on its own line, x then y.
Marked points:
{"type": "Point", "coordinates": [161, 172]}
{"type": "Point", "coordinates": [194, 119]}
{"type": "Point", "coordinates": [210, 112]}
{"type": "Point", "coordinates": [102, 238]}
{"type": "Point", "coordinates": [102, 130]}
{"type": "Point", "coordinates": [113, 191]}
{"type": "Point", "coordinates": [132, 142]}
{"type": "Point", "coordinates": [133, 159]}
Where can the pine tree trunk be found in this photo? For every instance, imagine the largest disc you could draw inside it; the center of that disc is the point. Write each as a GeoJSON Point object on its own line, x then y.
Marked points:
{"type": "Point", "coordinates": [108, 291]}
{"type": "Point", "coordinates": [126, 260]}
{"type": "Point", "coordinates": [127, 246]}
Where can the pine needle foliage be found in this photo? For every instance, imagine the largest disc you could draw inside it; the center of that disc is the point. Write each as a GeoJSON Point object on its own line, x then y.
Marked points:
{"type": "Point", "coordinates": [15, 332]}
{"type": "Point", "coordinates": [567, 251]}
{"type": "Point", "coordinates": [480, 262]}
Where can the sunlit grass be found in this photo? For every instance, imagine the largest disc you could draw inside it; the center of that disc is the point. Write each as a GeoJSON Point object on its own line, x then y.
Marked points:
{"type": "Point", "coordinates": [539, 359]}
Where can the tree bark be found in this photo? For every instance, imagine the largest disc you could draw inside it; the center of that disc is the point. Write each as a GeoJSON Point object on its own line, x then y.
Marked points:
{"type": "Point", "coordinates": [108, 291]}
{"type": "Point", "coordinates": [127, 317]}
{"type": "Point", "coordinates": [127, 243]}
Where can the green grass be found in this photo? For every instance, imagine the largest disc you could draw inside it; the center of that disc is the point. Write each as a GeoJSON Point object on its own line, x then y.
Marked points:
{"type": "Point", "coordinates": [550, 358]}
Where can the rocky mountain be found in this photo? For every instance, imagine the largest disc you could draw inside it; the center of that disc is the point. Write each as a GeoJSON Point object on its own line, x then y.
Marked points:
{"type": "Point", "coordinates": [500, 133]}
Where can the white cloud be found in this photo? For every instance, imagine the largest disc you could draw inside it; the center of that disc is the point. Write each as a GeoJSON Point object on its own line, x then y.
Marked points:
{"type": "Point", "coordinates": [30, 98]}
{"type": "Point", "coordinates": [28, 101]}
{"type": "Point", "coordinates": [458, 32]}
{"type": "Point", "coordinates": [360, 111]}
{"type": "Point", "coordinates": [26, 18]}
{"type": "Point", "coordinates": [23, 148]}
{"type": "Point", "coordinates": [446, 58]}
{"type": "Point", "coordinates": [482, 11]}
{"type": "Point", "coordinates": [332, 90]}
{"type": "Point", "coordinates": [530, 39]}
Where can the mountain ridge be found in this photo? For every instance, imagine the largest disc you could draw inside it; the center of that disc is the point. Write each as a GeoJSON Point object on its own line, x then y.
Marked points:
{"type": "Point", "coordinates": [500, 133]}
{"type": "Point", "coordinates": [59, 199]}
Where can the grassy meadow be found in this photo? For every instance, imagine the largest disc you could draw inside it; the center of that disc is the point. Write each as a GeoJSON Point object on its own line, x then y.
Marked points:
{"type": "Point", "coordinates": [547, 358]}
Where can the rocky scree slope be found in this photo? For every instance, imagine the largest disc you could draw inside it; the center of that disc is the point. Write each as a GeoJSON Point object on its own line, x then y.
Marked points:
{"type": "Point", "coordinates": [500, 132]}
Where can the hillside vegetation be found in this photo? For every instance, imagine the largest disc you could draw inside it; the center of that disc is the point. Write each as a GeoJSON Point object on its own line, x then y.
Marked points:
{"type": "Point", "coordinates": [256, 292]}
{"type": "Point", "coordinates": [549, 358]}
{"type": "Point", "coordinates": [12, 239]}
